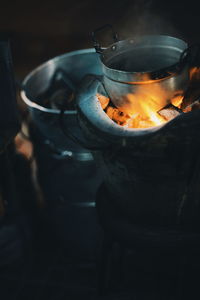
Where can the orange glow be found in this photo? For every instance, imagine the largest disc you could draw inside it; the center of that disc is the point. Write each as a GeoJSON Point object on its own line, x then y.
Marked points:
{"type": "Point", "coordinates": [152, 115]}
{"type": "Point", "coordinates": [150, 104]}
{"type": "Point", "coordinates": [149, 118]}
{"type": "Point", "coordinates": [195, 73]}
{"type": "Point", "coordinates": [24, 146]}
{"type": "Point", "coordinates": [146, 104]}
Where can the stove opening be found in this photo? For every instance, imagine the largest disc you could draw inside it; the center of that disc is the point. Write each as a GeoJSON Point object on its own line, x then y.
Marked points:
{"type": "Point", "coordinates": [145, 113]}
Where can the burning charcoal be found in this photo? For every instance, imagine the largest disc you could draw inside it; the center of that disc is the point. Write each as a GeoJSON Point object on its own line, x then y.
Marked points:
{"type": "Point", "coordinates": [62, 98]}
{"type": "Point", "coordinates": [139, 122]}
{"type": "Point", "coordinates": [191, 95]}
{"type": "Point", "coordinates": [103, 100]}
{"type": "Point", "coordinates": [177, 99]}
{"type": "Point", "coordinates": [194, 106]}
{"type": "Point", "coordinates": [169, 112]}
{"type": "Point", "coordinates": [146, 124]}
{"type": "Point", "coordinates": [117, 116]}
{"type": "Point", "coordinates": [133, 122]}
{"type": "Point", "coordinates": [110, 111]}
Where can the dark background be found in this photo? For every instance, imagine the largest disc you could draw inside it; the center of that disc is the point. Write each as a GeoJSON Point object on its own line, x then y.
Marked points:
{"type": "Point", "coordinates": [40, 30]}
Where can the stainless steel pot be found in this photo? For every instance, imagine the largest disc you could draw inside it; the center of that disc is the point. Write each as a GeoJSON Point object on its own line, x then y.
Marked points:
{"type": "Point", "coordinates": [75, 65]}
{"type": "Point", "coordinates": [136, 68]}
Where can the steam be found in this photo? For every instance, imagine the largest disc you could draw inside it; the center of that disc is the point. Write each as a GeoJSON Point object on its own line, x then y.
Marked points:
{"type": "Point", "coordinates": [141, 18]}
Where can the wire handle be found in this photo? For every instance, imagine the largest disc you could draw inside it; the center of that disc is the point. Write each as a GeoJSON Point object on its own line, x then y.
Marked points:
{"type": "Point", "coordinates": [190, 55]}
{"type": "Point", "coordinates": [96, 43]}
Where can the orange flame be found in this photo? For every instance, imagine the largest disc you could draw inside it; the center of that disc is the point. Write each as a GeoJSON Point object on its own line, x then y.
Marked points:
{"type": "Point", "coordinates": [152, 115]}
{"type": "Point", "coordinates": [141, 108]}
{"type": "Point", "coordinates": [147, 100]}
{"type": "Point", "coordinates": [146, 104]}
{"type": "Point", "coordinates": [149, 118]}
{"type": "Point", "coordinates": [151, 104]}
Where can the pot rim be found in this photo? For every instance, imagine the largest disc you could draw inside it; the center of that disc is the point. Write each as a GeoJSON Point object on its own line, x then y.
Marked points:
{"type": "Point", "coordinates": [32, 103]}
{"type": "Point", "coordinates": [125, 76]}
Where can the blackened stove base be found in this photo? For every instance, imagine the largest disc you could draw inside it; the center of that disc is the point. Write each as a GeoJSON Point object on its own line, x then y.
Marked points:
{"type": "Point", "coordinates": [122, 228]}
{"type": "Point", "coordinates": [172, 245]}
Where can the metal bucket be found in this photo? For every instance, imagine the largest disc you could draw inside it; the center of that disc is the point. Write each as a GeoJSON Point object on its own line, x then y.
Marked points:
{"type": "Point", "coordinates": [66, 172]}
{"type": "Point", "coordinates": [75, 66]}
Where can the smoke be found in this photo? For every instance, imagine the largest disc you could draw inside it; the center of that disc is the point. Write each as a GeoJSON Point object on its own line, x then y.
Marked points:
{"type": "Point", "coordinates": [133, 18]}
{"type": "Point", "coordinates": [144, 17]}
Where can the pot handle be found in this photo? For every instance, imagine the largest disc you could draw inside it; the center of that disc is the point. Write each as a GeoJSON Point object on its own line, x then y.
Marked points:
{"type": "Point", "coordinates": [96, 43]}
{"type": "Point", "coordinates": [191, 55]}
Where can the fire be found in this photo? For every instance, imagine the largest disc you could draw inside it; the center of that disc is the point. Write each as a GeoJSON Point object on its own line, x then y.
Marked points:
{"type": "Point", "coordinates": [146, 112]}
{"type": "Point", "coordinates": [149, 118]}
{"type": "Point", "coordinates": [152, 115]}
{"type": "Point", "coordinates": [150, 107]}
{"type": "Point", "coordinates": [146, 107]}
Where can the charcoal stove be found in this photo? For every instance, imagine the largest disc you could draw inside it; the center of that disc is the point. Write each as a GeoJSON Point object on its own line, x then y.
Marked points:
{"type": "Point", "coordinates": [144, 164]}
{"type": "Point", "coordinates": [151, 175]}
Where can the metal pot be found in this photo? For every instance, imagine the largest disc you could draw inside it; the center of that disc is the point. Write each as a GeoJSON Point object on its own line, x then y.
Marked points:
{"type": "Point", "coordinates": [135, 68]}
{"type": "Point", "coordinates": [73, 66]}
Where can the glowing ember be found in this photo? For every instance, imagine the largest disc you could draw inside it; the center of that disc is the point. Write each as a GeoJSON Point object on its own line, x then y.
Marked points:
{"type": "Point", "coordinates": [152, 115]}
{"type": "Point", "coordinates": [151, 119]}
{"type": "Point", "coordinates": [148, 102]}
{"type": "Point", "coordinates": [145, 115]}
